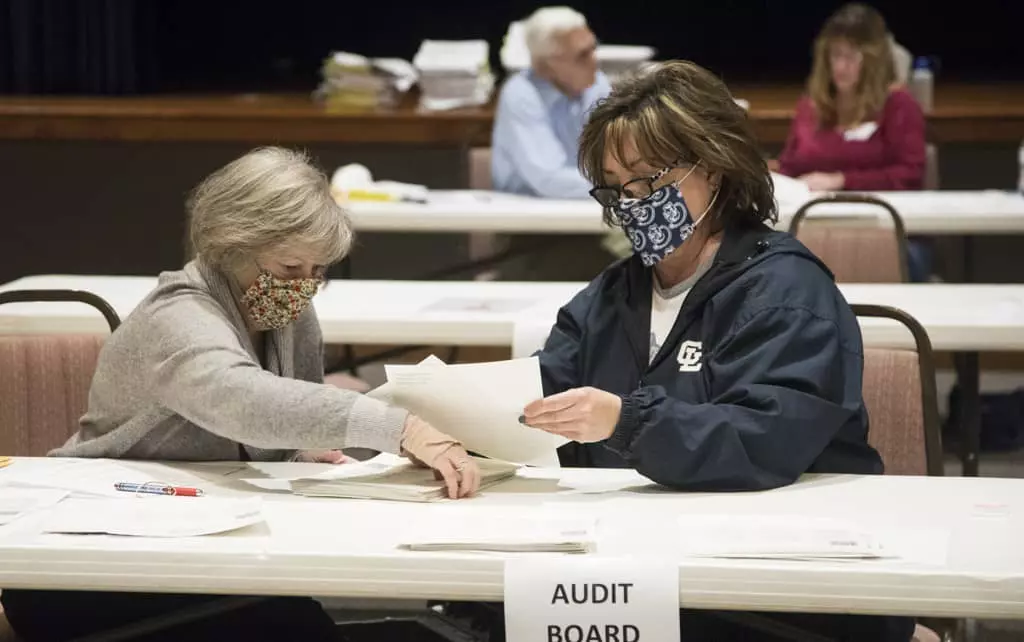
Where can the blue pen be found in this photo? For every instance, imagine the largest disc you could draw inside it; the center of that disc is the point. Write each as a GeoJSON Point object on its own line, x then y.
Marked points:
{"type": "Point", "coordinates": [157, 489]}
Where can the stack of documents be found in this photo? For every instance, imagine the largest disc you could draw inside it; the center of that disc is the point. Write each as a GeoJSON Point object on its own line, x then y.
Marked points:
{"type": "Point", "coordinates": [453, 73]}
{"type": "Point", "coordinates": [350, 82]}
{"type": "Point", "coordinates": [153, 516]}
{"type": "Point", "coordinates": [477, 403]}
{"type": "Point", "coordinates": [392, 478]}
{"type": "Point", "coordinates": [769, 537]}
{"type": "Point", "coordinates": [508, 534]}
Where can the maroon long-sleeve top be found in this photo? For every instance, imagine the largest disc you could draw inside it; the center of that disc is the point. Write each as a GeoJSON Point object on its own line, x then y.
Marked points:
{"type": "Point", "coordinates": [891, 158]}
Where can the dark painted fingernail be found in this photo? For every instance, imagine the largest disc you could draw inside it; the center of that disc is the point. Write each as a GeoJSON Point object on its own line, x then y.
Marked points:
{"type": "Point", "coordinates": [522, 419]}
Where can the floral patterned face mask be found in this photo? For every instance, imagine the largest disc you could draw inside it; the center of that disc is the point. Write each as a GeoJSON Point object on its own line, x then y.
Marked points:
{"type": "Point", "coordinates": [273, 303]}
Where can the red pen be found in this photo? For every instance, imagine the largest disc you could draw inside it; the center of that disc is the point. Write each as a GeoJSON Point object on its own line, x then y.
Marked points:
{"type": "Point", "coordinates": [158, 489]}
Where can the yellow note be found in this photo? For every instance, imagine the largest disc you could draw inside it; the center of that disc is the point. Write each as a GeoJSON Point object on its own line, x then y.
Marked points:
{"type": "Point", "coordinates": [5, 461]}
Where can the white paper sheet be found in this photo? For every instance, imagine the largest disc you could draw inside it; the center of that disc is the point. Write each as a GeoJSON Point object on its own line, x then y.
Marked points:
{"type": "Point", "coordinates": [16, 502]}
{"type": "Point", "coordinates": [508, 530]}
{"type": "Point", "coordinates": [154, 516]}
{"type": "Point", "coordinates": [479, 404]}
{"type": "Point", "coordinates": [784, 537]}
{"type": "Point", "coordinates": [80, 477]}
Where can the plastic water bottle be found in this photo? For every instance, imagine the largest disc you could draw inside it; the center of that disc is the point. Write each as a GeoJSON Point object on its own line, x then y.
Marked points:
{"type": "Point", "coordinates": [922, 82]}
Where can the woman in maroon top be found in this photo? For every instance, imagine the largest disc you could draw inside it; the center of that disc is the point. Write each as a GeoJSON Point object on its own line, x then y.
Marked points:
{"type": "Point", "coordinates": [855, 130]}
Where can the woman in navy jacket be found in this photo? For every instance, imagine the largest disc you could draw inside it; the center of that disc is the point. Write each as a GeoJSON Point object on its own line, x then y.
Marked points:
{"type": "Point", "coordinates": [720, 356]}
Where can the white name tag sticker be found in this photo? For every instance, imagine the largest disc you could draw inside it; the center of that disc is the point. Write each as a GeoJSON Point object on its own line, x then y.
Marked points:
{"type": "Point", "coordinates": [589, 599]}
{"type": "Point", "coordinates": [861, 132]}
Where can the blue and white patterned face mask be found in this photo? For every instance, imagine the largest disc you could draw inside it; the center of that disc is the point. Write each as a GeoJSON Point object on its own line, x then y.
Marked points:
{"type": "Point", "coordinates": [658, 224]}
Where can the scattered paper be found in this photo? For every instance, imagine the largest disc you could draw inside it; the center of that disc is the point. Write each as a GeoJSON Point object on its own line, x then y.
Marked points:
{"type": "Point", "coordinates": [766, 537]}
{"type": "Point", "coordinates": [479, 404]}
{"type": "Point", "coordinates": [16, 502]}
{"type": "Point", "coordinates": [154, 516]}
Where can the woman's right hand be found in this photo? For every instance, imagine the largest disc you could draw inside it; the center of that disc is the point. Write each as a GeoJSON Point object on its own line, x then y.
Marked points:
{"type": "Point", "coordinates": [444, 454]}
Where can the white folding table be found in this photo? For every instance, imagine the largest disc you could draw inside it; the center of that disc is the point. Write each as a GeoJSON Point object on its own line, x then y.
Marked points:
{"type": "Point", "coordinates": [957, 539]}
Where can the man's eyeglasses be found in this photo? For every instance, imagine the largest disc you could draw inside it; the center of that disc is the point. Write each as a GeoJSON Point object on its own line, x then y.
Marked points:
{"type": "Point", "coordinates": [639, 188]}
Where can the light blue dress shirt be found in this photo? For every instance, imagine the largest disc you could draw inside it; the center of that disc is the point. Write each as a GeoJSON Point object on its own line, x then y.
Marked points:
{"type": "Point", "coordinates": [536, 129]}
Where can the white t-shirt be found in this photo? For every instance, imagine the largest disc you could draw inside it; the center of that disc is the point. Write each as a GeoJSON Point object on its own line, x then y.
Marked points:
{"type": "Point", "coordinates": [665, 306]}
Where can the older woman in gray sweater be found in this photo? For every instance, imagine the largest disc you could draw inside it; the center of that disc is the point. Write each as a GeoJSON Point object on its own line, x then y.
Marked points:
{"type": "Point", "coordinates": [223, 360]}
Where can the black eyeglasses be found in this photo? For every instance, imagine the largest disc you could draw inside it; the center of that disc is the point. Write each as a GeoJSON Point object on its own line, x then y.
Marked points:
{"type": "Point", "coordinates": [638, 188]}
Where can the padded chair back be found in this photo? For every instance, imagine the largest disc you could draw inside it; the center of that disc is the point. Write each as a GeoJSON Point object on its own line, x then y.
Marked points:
{"type": "Point", "coordinates": [855, 253]}
{"type": "Point", "coordinates": [899, 392]}
{"type": "Point", "coordinates": [45, 379]}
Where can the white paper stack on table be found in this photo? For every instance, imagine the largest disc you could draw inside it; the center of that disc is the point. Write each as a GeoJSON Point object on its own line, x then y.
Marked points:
{"type": "Point", "coordinates": [502, 533]}
{"type": "Point", "coordinates": [477, 403]}
{"type": "Point", "coordinates": [389, 477]}
{"type": "Point", "coordinates": [453, 73]}
{"type": "Point", "coordinates": [351, 82]}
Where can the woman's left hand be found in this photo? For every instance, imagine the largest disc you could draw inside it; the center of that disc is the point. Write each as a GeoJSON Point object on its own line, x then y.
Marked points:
{"type": "Point", "coordinates": [324, 457]}
{"type": "Point", "coordinates": [581, 414]}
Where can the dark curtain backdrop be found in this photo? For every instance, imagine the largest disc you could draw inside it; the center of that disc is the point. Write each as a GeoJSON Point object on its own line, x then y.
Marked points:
{"type": "Point", "coordinates": [152, 46]}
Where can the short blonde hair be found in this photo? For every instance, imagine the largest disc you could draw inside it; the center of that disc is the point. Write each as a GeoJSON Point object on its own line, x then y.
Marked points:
{"type": "Point", "coordinates": [864, 28]}
{"type": "Point", "coordinates": [271, 197]}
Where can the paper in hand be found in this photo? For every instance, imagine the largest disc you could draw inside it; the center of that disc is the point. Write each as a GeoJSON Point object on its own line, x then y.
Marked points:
{"type": "Point", "coordinates": [479, 404]}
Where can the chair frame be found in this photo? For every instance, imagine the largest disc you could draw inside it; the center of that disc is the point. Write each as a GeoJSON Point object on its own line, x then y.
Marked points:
{"type": "Point", "coordinates": [926, 364]}
{"type": "Point", "coordinates": [839, 197]}
{"type": "Point", "coordinates": [78, 296]}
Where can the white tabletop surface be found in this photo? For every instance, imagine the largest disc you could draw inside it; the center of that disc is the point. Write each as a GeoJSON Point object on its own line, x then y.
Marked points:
{"type": "Point", "coordinates": [957, 317]}
{"type": "Point", "coordinates": [958, 540]}
{"type": "Point", "coordinates": [466, 211]}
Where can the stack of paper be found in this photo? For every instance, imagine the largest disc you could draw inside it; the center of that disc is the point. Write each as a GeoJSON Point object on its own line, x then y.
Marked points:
{"type": "Point", "coordinates": [477, 403]}
{"type": "Point", "coordinates": [153, 516]}
{"type": "Point", "coordinates": [392, 478]}
{"type": "Point", "coordinates": [453, 74]}
{"type": "Point", "coordinates": [350, 82]}
{"type": "Point", "coordinates": [769, 537]}
{"type": "Point", "coordinates": [509, 534]}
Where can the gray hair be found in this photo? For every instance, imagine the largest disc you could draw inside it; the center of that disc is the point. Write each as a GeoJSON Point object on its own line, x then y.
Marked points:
{"type": "Point", "coordinates": [545, 25]}
{"type": "Point", "coordinates": [269, 198]}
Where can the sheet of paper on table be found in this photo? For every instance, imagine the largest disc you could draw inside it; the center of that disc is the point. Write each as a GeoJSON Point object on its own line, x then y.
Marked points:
{"type": "Point", "coordinates": [768, 537]}
{"type": "Point", "coordinates": [531, 531]}
{"type": "Point", "coordinates": [16, 502]}
{"type": "Point", "coordinates": [153, 516]}
{"type": "Point", "coordinates": [477, 403]}
{"type": "Point", "coordinates": [79, 477]}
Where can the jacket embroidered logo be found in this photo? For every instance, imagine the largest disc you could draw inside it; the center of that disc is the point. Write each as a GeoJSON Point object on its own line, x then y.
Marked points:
{"type": "Point", "coordinates": [690, 353]}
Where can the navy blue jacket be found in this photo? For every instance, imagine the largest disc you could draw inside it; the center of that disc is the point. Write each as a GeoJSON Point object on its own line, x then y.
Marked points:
{"type": "Point", "coordinates": [758, 382]}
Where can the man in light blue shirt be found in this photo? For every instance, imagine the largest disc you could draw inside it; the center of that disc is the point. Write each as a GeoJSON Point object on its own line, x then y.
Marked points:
{"type": "Point", "coordinates": [541, 111]}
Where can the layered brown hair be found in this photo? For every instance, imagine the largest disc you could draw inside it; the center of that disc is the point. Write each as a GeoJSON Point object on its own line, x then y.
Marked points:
{"type": "Point", "coordinates": [680, 113]}
{"type": "Point", "coordinates": [864, 28]}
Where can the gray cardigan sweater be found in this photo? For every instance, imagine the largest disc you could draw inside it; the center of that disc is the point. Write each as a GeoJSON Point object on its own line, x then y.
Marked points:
{"type": "Point", "coordinates": [180, 380]}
